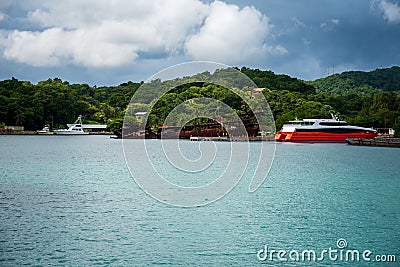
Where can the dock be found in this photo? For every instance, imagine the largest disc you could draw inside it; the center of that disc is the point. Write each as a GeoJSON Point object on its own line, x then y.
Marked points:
{"type": "Point", "coordinates": [232, 139]}
{"type": "Point", "coordinates": [204, 138]}
{"type": "Point", "coordinates": [378, 141]}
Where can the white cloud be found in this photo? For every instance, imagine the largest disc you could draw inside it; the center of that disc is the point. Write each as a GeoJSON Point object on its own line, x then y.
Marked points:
{"type": "Point", "coordinates": [22, 45]}
{"type": "Point", "coordinates": [391, 11]}
{"type": "Point", "coordinates": [55, 46]}
{"type": "Point", "coordinates": [276, 50]}
{"type": "Point", "coordinates": [232, 35]}
{"type": "Point", "coordinates": [306, 42]}
{"type": "Point", "coordinates": [103, 33]}
{"type": "Point", "coordinates": [329, 25]}
{"type": "Point", "coordinates": [2, 16]}
{"type": "Point", "coordinates": [298, 23]}
{"type": "Point", "coordinates": [335, 21]}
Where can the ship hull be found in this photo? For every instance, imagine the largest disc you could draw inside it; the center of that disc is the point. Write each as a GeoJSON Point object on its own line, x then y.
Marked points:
{"type": "Point", "coordinates": [320, 136]}
{"type": "Point", "coordinates": [66, 132]}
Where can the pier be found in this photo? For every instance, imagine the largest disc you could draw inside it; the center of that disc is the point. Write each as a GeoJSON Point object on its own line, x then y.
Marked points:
{"type": "Point", "coordinates": [379, 142]}
{"type": "Point", "coordinates": [231, 139]}
{"type": "Point", "coordinates": [204, 138]}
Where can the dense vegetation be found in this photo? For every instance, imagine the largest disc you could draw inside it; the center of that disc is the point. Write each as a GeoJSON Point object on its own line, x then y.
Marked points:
{"type": "Point", "coordinates": [360, 83]}
{"type": "Point", "coordinates": [362, 98]}
{"type": "Point", "coordinates": [58, 102]}
{"type": "Point", "coordinates": [270, 80]}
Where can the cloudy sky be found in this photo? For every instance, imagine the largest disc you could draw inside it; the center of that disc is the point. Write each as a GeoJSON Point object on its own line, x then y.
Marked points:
{"type": "Point", "coordinates": [107, 42]}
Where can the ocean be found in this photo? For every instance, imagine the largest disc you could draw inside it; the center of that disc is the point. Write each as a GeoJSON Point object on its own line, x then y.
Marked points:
{"type": "Point", "coordinates": [72, 201]}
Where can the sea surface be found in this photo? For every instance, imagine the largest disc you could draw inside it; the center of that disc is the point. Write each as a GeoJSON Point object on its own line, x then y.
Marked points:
{"type": "Point", "coordinates": [71, 201]}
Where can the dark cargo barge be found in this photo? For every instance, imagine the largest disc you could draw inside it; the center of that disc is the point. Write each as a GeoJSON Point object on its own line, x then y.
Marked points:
{"type": "Point", "coordinates": [378, 141]}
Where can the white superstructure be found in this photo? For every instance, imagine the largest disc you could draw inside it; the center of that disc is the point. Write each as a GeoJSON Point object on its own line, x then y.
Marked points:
{"type": "Point", "coordinates": [73, 129]}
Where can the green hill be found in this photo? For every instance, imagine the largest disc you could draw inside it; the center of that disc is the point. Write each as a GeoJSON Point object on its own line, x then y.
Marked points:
{"type": "Point", "coordinates": [370, 99]}
{"type": "Point", "coordinates": [272, 81]}
{"type": "Point", "coordinates": [359, 82]}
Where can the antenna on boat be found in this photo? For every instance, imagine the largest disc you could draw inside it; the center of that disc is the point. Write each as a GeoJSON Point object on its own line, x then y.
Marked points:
{"type": "Point", "coordinates": [79, 120]}
{"type": "Point", "coordinates": [334, 117]}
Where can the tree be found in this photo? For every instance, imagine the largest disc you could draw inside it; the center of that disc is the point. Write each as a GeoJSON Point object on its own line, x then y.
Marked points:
{"type": "Point", "coordinates": [20, 118]}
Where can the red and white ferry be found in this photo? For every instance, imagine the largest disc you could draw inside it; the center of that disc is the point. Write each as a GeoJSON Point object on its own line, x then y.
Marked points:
{"type": "Point", "coordinates": [322, 130]}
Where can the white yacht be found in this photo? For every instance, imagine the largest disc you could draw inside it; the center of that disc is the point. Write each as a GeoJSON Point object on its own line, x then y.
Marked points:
{"type": "Point", "coordinates": [73, 129]}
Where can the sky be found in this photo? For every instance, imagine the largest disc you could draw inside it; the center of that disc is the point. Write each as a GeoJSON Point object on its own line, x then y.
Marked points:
{"type": "Point", "coordinates": [108, 42]}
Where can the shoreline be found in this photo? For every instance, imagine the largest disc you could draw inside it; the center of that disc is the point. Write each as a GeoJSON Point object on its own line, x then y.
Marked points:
{"type": "Point", "coordinates": [49, 134]}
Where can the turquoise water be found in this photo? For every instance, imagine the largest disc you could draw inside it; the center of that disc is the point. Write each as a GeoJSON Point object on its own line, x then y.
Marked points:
{"type": "Point", "coordinates": [71, 201]}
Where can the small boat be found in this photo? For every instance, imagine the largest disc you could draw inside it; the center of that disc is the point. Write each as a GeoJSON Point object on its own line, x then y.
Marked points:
{"type": "Point", "coordinates": [45, 130]}
{"type": "Point", "coordinates": [322, 130]}
{"type": "Point", "coordinates": [74, 129]}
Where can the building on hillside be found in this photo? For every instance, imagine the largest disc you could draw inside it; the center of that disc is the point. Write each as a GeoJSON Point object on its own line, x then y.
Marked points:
{"type": "Point", "coordinates": [140, 115]}
{"type": "Point", "coordinates": [15, 128]}
{"type": "Point", "coordinates": [257, 91]}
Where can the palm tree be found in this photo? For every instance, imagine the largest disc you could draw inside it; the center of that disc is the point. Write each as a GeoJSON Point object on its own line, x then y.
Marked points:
{"type": "Point", "coordinates": [20, 118]}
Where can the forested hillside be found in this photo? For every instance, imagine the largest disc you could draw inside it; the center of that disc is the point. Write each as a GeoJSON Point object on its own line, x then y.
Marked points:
{"type": "Point", "coordinates": [369, 99]}
{"type": "Point", "coordinates": [359, 82]}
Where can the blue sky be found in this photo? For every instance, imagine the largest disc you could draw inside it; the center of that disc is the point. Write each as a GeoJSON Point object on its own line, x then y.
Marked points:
{"type": "Point", "coordinates": [102, 42]}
